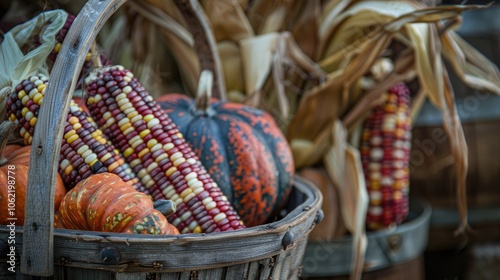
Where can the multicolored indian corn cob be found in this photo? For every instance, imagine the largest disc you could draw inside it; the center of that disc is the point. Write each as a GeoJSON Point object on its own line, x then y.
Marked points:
{"type": "Point", "coordinates": [61, 35]}
{"type": "Point", "coordinates": [84, 148]}
{"type": "Point", "coordinates": [157, 152]}
{"type": "Point", "coordinates": [385, 154]}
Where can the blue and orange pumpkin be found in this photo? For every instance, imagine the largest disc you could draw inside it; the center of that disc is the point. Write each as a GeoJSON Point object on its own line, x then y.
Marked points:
{"type": "Point", "coordinates": [242, 148]}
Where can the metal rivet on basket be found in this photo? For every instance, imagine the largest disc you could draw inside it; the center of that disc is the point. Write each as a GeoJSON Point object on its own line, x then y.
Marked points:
{"type": "Point", "coordinates": [157, 265]}
{"type": "Point", "coordinates": [394, 242]}
{"type": "Point", "coordinates": [65, 261]}
{"type": "Point", "coordinates": [109, 255]}
{"type": "Point", "coordinates": [287, 239]}
{"type": "Point", "coordinates": [306, 208]}
{"type": "Point", "coordinates": [319, 216]}
{"type": "Point", "coordinates": [4, 249]}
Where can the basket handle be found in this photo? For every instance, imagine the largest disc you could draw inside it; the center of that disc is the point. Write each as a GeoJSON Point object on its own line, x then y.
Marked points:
{"type": "Point", "coordinates": [37, 257]}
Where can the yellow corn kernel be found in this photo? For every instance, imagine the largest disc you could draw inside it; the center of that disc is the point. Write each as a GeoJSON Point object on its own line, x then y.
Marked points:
{"type": "Point", "coordinates": [72, 138]}
{"type": "Point", "coordinates": [161, 157]}
{"type": "Point", "coordinates": [132, 114]}
{"type": "Point", "coordinates": [69, 134]}
{"type": "Point", "coordinates": [68, 169]}
{"type": "Point", "coordinates": [186, 192]}
{"type": "Point", "coordinates": [21, 94]}
{"type": "Point", "coordinates": [179, 161]}
{"type": "Point", "coordinates": [24, 111]}
{"type": "Point", "coordinates": [113, 166]}
{"type": "Point", "coordinates": [106, 157]}
{"type": "Point", "coordinates": [151, 143]}
{"type": "Point", "coordinates": [57, 47]}
{"type": "Point", "coordinates": [151, 167]}
{"type": "Point", "coordinates": [143, 152]}
{"type": "Point", "coordinates": [148, 117]}
{"type": "Point", "coordinates": [169, 146]}
{"type": "Point", "coordinates": [41, 87]}
{"type": "Point", "coordinates": [128, 152]}
{"type": "Point", "coordinates": [77, 126]}
{"type": "Point", "coordinates": [197, 229]}
{"type": "Point", "coordinates": [170, 171]}
{"type": "Point", "coordinates": [37, 98]}
{"type": "Point", "coordinates": [93, 162]}
{"type": "Point", "coordinates": [144, 133]}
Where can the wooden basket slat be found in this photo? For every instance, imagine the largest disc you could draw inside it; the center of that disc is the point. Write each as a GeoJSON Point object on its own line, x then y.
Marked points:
{"type": "Point", "coordinates": [170, 276]}
{"type": "Point", "coordinates": [238, 271]}
{"type": "Point", "coordinates": [129, 276]}
{"type": "Point", "coordinates": [253, 270]}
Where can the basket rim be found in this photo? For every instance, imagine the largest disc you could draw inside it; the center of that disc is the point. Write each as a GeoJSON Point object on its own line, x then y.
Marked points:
{"type": "Point", "coordinates": [270, 238]}
{"type": "Point", "coordinates": [313, 200]}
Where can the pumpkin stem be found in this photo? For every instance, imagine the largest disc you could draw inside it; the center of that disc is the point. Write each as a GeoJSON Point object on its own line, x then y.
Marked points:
{"type": "Point", "coordinates": [6, 129]}
{"type": "Point", "coordinates": [165, 206]}
{"type": "Point", "coordinates": [204, 91]}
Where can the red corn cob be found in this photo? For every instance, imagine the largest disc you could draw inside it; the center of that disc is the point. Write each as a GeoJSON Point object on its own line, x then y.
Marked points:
{"type": "Point", "coordinates": [157, 151]}
{"type": "Point", "coordinates": [385, 151]}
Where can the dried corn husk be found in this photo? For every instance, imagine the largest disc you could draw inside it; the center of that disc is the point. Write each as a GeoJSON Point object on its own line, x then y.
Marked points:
{"type": "Point", "coordinates": [18, 59]}
{"type": "Point", "coordinates": [343, 164]}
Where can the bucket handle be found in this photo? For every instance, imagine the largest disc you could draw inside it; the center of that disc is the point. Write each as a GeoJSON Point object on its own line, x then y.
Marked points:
{"type": "Point", "coordinates": [37, 257]}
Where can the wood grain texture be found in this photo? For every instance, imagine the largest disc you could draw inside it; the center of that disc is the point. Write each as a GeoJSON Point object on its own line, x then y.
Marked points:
{"type": "Point", "coordinates": [169, 276]}
{"type": "Point", "coordinates": [238, 271]}
{"type": "Point", "coordinates": [82, 273]}
{"type": "Point", "coordinates": [46, 145]}
{"type": "Point", "coordinates": [130, 276]}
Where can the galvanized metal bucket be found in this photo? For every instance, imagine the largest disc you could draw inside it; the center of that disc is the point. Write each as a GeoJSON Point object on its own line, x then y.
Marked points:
{"type": "Point", "coordinates": [385, 248]}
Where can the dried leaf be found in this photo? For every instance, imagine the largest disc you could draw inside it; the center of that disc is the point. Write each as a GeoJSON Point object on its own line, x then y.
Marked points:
{"type": "Point", "coordinates": [269, 16]}
{"type": "Point", "coordinates": [228, 20]}
{"type": "Point", "coordinates": [307, 20]}
{"type": "Point", "coordinates": [471, 66]}
{"type": "Point", "coordinates": [343, 164]}
{"type": "Point", "coordinates": [257, 59]}
{"type": "Point", "coordinates": [232, 65]}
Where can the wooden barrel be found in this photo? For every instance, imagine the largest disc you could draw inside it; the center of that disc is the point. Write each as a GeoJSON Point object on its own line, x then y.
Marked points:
{"type": "Point", "coordinates": [387, 250]}
{"type": "Point", "coordinates": [269, 251]}
{"type": "Point", "coordinates": [432, 172]}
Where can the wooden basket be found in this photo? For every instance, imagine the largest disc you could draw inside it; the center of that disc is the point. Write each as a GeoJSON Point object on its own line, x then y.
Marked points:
{"type": "Point", "coordinates": [273, 250]}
